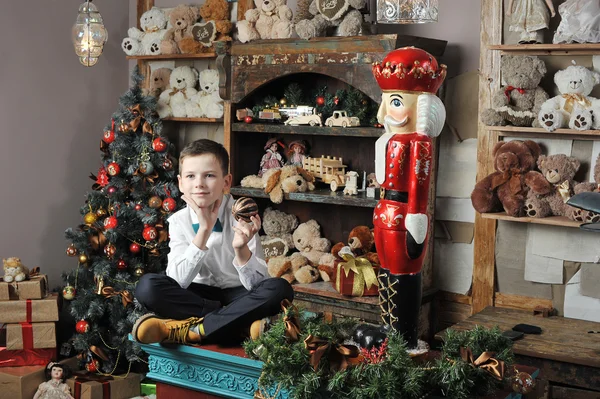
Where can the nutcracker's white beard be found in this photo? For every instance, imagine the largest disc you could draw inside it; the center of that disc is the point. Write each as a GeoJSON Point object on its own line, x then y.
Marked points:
{"type": "Point", "coordinates": [431, 115]}
{"type": "Point", "coordinates": [390, 121]}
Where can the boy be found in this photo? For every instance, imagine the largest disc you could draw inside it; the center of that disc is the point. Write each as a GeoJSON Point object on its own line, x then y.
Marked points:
{"type": "Point", "coordinates": [217, 284]}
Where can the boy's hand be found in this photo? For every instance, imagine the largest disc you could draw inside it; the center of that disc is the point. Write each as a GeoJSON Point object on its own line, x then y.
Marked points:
{"type": "Point", "coordinates": [207, 217]}
{"type": "Point", "coordinates": [245, 231]}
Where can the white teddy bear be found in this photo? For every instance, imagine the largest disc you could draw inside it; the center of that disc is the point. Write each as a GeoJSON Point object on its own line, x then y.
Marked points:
{"type": "Point", "coordinates": [271, 19]}
{"type": "Point", "coordinates": [146, 41]}
{"type": "Point", "coordinates": [207, 103]}
{"type": "Point", "coordinates": [172, 102]}
{"type": "Point", "coordinates": [573, 107]}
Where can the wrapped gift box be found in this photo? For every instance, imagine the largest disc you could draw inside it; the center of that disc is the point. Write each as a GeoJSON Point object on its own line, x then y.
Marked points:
{"type": "Point", "coordinates": [36, 310]}
{"type": "Point", "coordinates": [30, 336]}
{"type": "Point", "coordinates": [347, 282]}
{"type": "Point", "coordinates": [26, 357]}
{"type": "Point", "coordinates": [34, 288]}
{"type": "Point", "coordinates": [147, 388]}
{"type": "Point", "coordinates": [94, 386]}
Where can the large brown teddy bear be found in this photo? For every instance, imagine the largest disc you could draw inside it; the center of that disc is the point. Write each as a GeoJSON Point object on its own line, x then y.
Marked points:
{"type": "Point", "coordinates": [181, 18]}
{"type": "Point", "coordinates": [507, 188]}
{"type": "Point", "coordinates": [212, 10]}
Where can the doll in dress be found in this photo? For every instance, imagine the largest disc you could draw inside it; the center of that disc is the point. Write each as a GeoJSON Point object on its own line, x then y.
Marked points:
{"type": "Point", "coordinates": [530, 17]}
{"type": "Point", "coordinates": [55, 386]}
{"type": "Point", "coordinates": [579, 22]}
{"type": "Point", "coordinates": [272, 158]}
{"type": "Point", "coordinates": [296, 153]}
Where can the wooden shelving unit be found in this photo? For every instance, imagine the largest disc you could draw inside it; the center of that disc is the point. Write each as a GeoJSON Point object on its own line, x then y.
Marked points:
{"type": "Point", "coordinates": [539, 132]}
{"type": "Point", "coordinates": [164, 57]}
{"type": "Point", "coordinates": [548, 49]}
{"type": "Point", "coordinates": [275, 128]}
{"type": "Point", "coordinates": [551, 220]}
{"type": "Point", "coordinates": [194, 120]}
{"type": "Point", "coordinates": [319, 196]}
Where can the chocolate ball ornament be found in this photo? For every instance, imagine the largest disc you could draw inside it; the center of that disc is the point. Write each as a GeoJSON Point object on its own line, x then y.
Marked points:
{"type": "Point", "coordinates": [90, 218]}
{"type": "Point", "coordinates": [68, 292]}
{"type": "Point", "coordinates": [155, 202]}
{"type": "Point", "coordinates": [82, 327]}
{"type": "Point", "coordinates": [243, 209]}
{"type": "Point", "coordinates": [523, 383]}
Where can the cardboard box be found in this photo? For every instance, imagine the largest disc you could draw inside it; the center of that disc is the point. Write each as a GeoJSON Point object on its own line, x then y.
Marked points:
{"type": "Point", "coordinates": [344, 283]}
{"type": "Point", "coordinates": [30, 336]}
{"type": "Point", "coordinates": [34, 288]}
{"type": "Point", "coordinates": [35, 311]}
{"type": "Point", "coordinates": [113, 387]}
{"type": "Point", "coordinates": [26, 357]}
{"type": "Point", "coordinates": [23, 382]}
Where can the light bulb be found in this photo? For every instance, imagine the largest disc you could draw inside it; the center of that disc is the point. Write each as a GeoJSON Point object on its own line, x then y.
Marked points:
{"type": "Point", "coordinates": [89, 34]}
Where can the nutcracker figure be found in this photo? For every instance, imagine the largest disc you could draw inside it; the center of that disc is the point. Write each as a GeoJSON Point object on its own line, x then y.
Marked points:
{"type": "Point", "coordinates": [412, 114]}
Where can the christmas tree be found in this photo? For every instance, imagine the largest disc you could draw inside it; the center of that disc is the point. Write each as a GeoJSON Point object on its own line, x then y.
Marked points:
{"type": "Point", "coordinates": [123, 234]}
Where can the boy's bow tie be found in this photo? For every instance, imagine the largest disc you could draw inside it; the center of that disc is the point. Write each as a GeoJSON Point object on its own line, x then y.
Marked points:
{"type": "Point", "coordinates": [218, 227]}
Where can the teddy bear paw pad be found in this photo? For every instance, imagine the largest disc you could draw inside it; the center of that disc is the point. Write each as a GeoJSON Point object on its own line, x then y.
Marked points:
{"type": "Point", "coordinates": [530, 210]}
{"type": "Point", "coordinates": [580, 122]}
{"type": "Point", "coordinates": [127, 45]}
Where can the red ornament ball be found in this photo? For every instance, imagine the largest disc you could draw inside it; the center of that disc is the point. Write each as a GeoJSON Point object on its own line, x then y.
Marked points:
{"type": "Point", "coordinates": [113, 169]}
{"type": "Point", "coordinates": [135, 248]}
{"type": "Point", "coordinates": [82, 326]}
{"type": "Point", "coordinates": [121, 264]}
{"type": "Point", "coordinates": [320, 101]}
{"type": "Point", "coordinates": [111, 190]}
{"type": "Point", "coordinates": [138, 207]}
{"type": "Point", "coordinates": [109, 136]}
{"type": "Point", "coordinates": [110, 223]}
{"type": "Point", "coordinates": [248, 119]}
{"type": "Point", "coordinates": [169, 204]}
{"type": "Point", "coordinates": [159, 145]}
{"type": "Point", "coordinates": [93, 366]}
{"type": "Point", "coordinates": [167, 164]}
{"type": "Point", "coordinates": [149, 233]}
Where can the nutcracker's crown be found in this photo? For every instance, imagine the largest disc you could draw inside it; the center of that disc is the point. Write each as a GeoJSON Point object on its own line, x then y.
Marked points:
{"type": "Point", "coordinates": [409, 69]}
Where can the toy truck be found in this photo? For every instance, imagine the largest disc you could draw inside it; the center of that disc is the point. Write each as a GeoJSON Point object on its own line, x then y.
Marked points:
{"type": "Point", "coordinates": [329, 170]}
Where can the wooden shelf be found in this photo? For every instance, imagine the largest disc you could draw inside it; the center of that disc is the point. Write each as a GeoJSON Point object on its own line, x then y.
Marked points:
{"type": "Point", "coordinates": [539, 132]}
{"type": "Point", "coordinates": [551, 220]}
{"type": "Point", "coordinates": [549, 49]}
{"type": "Point", "coordinates": [320, 196]}
{"type": "Point", "coordinates": [194, 120]}
{"type": "Point", "coordinates": [163, 57]}
{"type": "Point", "coordinates": [308, 130]}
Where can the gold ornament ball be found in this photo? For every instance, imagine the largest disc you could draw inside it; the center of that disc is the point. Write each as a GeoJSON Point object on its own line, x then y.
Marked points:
{"type": "Point", "coordinates": [155, 202]}
{"type": "Point", "coordinates": [68, 292]}
{"type": "Point", "coordinates": [72, 251]}
{"type": "Point", "coordinates": [123, 127]}
{"type": "Point", "coordinates": [283, 101]}
{"type": "Point", "coordinates": [139, 272]}
{"type": "Point", "coordinates": [101, 213]}
{"type": "Point", "coordinates": [90, 218]}
{"type": "Point", "coordinates": [523, 383]}
{"type": "Point", "coordinates": [83, 258]}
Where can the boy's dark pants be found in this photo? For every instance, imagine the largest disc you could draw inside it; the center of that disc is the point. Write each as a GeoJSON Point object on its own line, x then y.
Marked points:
{"type": "Point", "coordinates": [226, 311]}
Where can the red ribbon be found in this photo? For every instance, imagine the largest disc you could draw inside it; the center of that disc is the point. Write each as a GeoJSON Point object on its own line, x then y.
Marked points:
{"type": "Point", "coordinates": [28, 310]}
{"type": "Point", "coordinates": [83, 378]}
{"type": "Point", "coordinates": [508, 89]}
{"type": "Point", "coordinates": [27, 335]}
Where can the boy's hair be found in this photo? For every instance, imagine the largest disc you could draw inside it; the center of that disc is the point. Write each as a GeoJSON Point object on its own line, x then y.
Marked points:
{"type": "Point", "coordinates": [205, 146]}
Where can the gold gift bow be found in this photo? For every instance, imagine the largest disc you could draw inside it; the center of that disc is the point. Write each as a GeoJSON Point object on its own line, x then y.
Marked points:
{"type": "Point", "coordinates": [338, 354]}
{"type": "Point", "coordinates": [291, 320]}
{"type": "Point", "coordinates": [564, 191]}
{"type": "Point", "coordinates": [135, 122]}
{"type": "Point", "coordinates": [572, 98]}
{"type": "Point", "coordinates": [485, 361]}
{"type": "Point", "coordinates": [176, 90]}
{"type": "Point", "coordinates": [126, 296]}
{"type": "Point", "coordinates": [364, 275]}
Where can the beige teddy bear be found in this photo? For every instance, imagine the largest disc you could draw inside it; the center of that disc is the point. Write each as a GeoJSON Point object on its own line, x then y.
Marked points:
{"type": "Point", "coordinates": [159, 82]}
{"type": "Point", "coordinates": [14, 270]}
{"type": "Point", "coordinates": [181, 20]}
{"type": "Point", "coordinates": [293, 268]}
{"type": "Point", "coordinates": [277, 181]}
{"type": "Point", "coordinates": [271, 19]}
{"type": "Point", "coordinates": [308, 240]}
{"type": "Point", "coordinates": [278, 226]}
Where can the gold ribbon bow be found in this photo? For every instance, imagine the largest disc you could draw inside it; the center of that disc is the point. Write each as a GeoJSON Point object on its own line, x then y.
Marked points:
{"type": "Point", "coordinates": [126, 296]}
{"type": "Point", "coordinates": [136, 110]}
{"type": "Point", "coordinates": [339, 355]}
{"type": "Point", "coordinates": [572, 98]}
{"type": "Point", "coordinates": [176, 90]}
{"type": "Point", "coordinates": [485, 361]}
{"type": "Point", "coordinates": [291, 321]}
{"type": "Point", "coordinates": [146, 178]}
{"type": "Point", "coordinates": [564, 191]}
{"type": "Point", "coordinates": [364, 274]}
{"type": "Point", "coordinates": [513, 177]}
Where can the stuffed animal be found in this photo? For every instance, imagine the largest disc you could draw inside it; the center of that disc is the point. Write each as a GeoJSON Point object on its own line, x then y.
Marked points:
{"type": "Point", "coordinates": [307, 239]}
{"type": "Point", "coordinates": [361, 242]}
{"type": "Point", "coordinates": [159, 82]}
{"type": "Point", "coordinates": [292, 268]}
{"type": "Point", "coordinates": [172, 102]}
{"type": "Point", "coordinates": [271, 19]}
{"type": "Point", "coordinates": [344, 14]}
{"type": "Point", "coordinates": [519, 100]}
{"type": "Point", "coordinates": [581, 215]}
{"type": "Point", "coordinates": [146, 41]}
{"type": "Point", "coordinates": [206, 103]}
{"type": "Point", "coordinates": [507, 188]}
{"type": "Point", "coordinates": [277, 181]}
{"type": "Point", "coordinates": [14, 270]}
{"type": "Point", "coordinates": [559, 170]}
{"type": "Point", "coordinates": [281, 225]}
{"type": "Point", "coordinates": [215, 12]}
{"type": "Point", "coordinates": [181, 19]}
{"type": "Point", "coordinates": [573, 107]}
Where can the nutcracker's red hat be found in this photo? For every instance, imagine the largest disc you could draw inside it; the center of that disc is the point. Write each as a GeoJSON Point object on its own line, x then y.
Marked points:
{"type": "Point", "coordinates": [409, 69]}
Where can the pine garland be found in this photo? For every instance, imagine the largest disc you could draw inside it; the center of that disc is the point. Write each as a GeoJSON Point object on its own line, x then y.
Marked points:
{"type": "Point", "coordinates": [286, 365]}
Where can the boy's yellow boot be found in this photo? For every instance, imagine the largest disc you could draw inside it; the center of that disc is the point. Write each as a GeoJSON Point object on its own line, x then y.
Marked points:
{"type": "Point", "coordinates": [150, 329]}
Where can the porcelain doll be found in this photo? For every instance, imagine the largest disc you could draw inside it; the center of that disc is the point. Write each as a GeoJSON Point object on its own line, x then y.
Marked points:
{"type": "Point", "coordinates": [579, 22]}
{"type": "Point", "coordinates": [296, 153]}
{"type": "Point", "coordinates": [56, 385]}
{"type": "Point", "coordinates": [530, 17]}
{"type": "Point", "coordinates": [272, 158]}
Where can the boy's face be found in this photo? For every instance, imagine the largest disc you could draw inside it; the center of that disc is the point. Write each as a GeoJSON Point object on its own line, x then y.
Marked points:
{"type": "Point", "coordinates": [201, 179]}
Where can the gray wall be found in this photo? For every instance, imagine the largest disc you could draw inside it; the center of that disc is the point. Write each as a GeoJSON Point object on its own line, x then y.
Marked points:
{"type": "Point", "coordinates": [52, 114]}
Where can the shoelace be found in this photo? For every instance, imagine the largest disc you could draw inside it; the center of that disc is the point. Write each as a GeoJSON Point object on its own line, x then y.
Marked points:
{"type": "Point", "coordinates": [178, 333]}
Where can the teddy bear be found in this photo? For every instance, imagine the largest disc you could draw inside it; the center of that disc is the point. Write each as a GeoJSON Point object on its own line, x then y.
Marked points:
{"type": "Point", "coordinates": [344, 14]}
{"type": "Point", "coordinates": [293, 268]}
{"type": "Point", "coordinates": [172, 102]}
{"type": "Point", "coordinates": [519, 100]}
{"type": "Point", "coordinates": [279, 225]}
{"type": "Point", "coordinates": [277, 181]}
{"type": "Point", "coordinates": [216, 26]}
{"type": "Point", "coordinates": [14, 270]}
{"type": "Point", "coordinates": [507, 188]}
{"type": "Point", "coordinates": [559, 170]}
{"type": "Point", "coordinates": [146, 41]}
{"type": "Point", "coordinates": [307, 239]}
{"type": "Point", "coordinates": [206, 103]}
{"type": "Point", "coordinates": [573, 107]}
{"type": "Point", "coordinates": [159, 82]}
{"type": "Point", "coordinates": [181, 20]}
{"type": "Point", "coordinates": [271, 19]}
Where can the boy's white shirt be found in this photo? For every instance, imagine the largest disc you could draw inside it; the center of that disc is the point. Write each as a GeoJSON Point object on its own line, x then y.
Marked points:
{"type": "Point", "coordinates": [216, 266]}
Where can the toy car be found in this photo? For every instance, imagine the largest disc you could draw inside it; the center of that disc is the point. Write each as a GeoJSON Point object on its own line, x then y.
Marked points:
{"type": "Point", "coordinates": [312, 120]}
{"type": "Point", "coordinates": [341, 118]}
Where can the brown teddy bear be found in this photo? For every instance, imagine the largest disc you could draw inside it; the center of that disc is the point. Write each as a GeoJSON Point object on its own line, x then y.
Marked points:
{"type": "Point", "coordinates": [277, 181]}
{"type": "Point", "coordinates": [159, 82]}
{"type": "Point", "coordinates": [507, 188]}
{"type": "Point", "coordinates": [559, 170]}
{"type": "Point", "coordinates": [293, 268]}
{"type": "Point", "coordinates": [181, 18]}
{"type": "Point", "coordinates": [361, 242]}
{"type": "Point", "coordinates": [212, 10]}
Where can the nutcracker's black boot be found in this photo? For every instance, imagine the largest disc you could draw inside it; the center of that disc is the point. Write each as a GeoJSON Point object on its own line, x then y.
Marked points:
{"type": "Point", "coordinates": [404, 299]}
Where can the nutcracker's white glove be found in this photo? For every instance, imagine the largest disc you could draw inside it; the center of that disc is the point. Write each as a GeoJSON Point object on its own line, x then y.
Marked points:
{"type": "Point", "coordinates": [416, 224]}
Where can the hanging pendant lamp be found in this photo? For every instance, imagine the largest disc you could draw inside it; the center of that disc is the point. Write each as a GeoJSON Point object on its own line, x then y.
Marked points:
{"type": "Point", "coordinates": [89, 34]}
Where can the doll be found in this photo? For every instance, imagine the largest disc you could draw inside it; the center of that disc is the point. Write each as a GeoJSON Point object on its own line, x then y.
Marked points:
{"type": "Point", "coordinates": [529, 17]}
{"type": "Point", "coordinates": [272, 159]}
{"type": "Point", "coordinates": [296, 153]}
{"type": "Point", "coordinates": [579, 22]}
{"type": "Point", "coordinates": [55, 386]}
